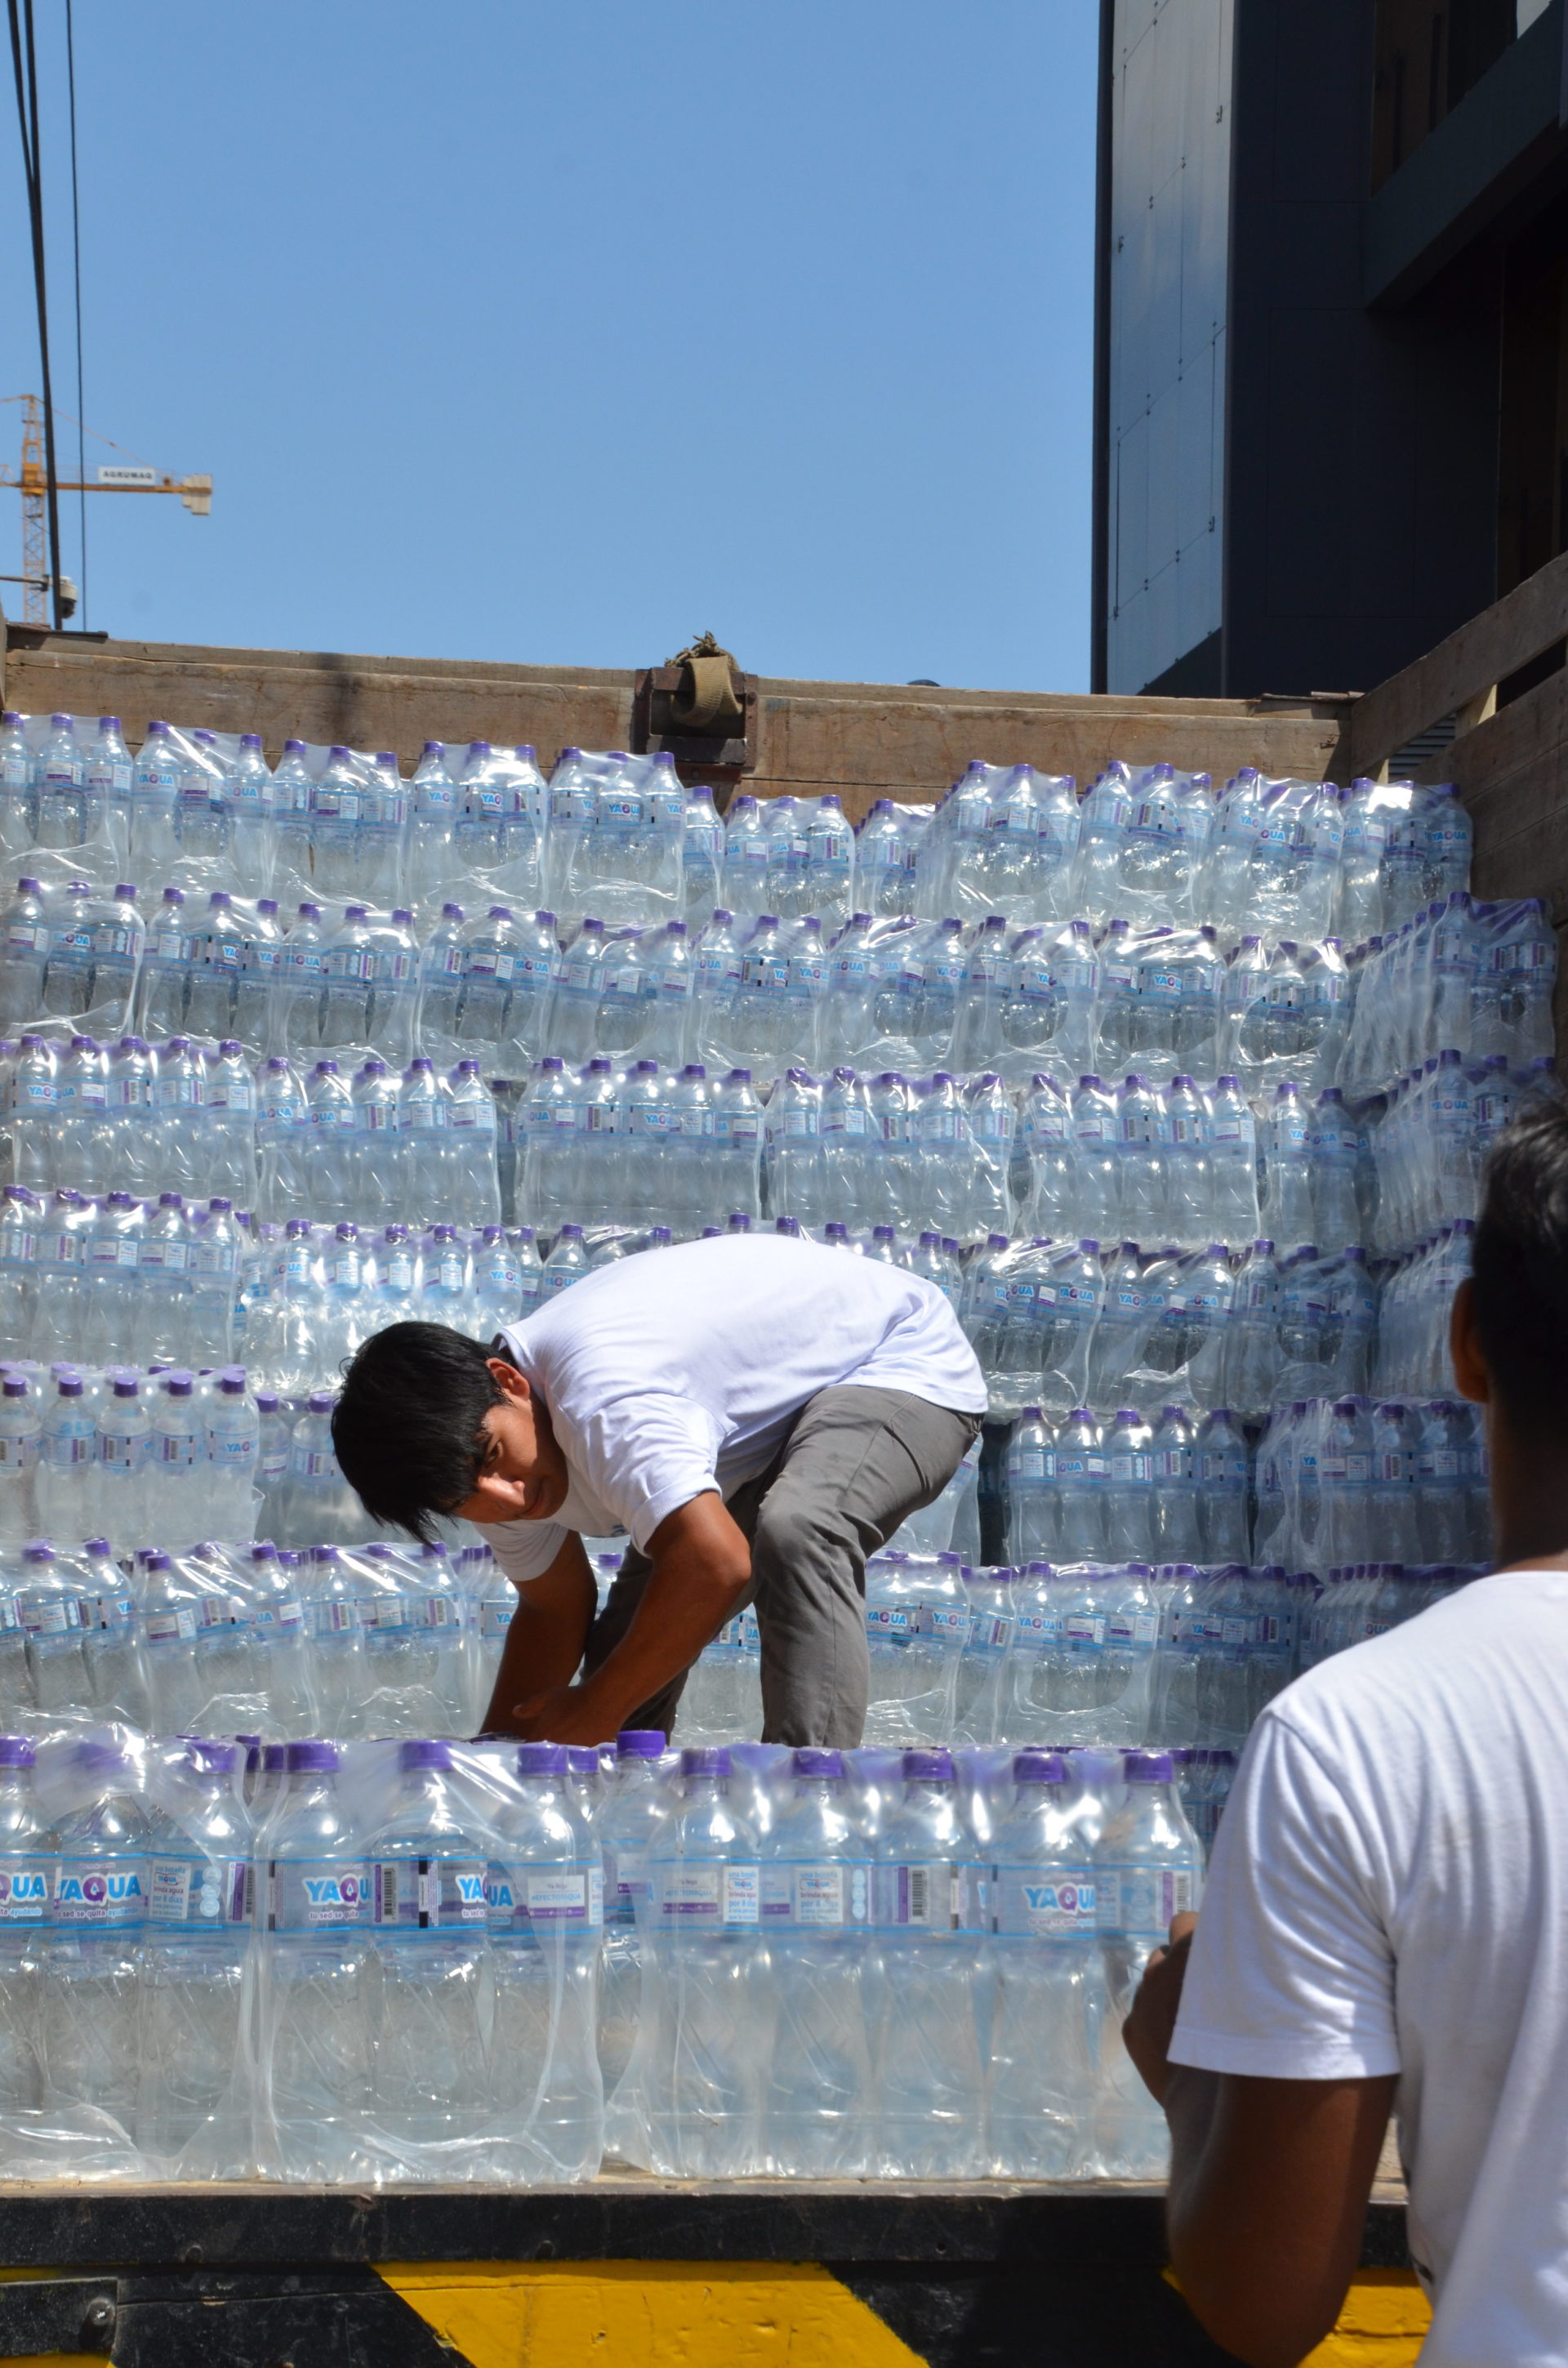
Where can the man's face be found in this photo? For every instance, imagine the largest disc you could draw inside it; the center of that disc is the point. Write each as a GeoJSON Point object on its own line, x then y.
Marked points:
{"type": "Point", "coordinates": [524, 1476]}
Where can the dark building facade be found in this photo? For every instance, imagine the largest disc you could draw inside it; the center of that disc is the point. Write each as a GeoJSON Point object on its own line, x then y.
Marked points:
{"type": "Point", "coordinates": [1331, 415]}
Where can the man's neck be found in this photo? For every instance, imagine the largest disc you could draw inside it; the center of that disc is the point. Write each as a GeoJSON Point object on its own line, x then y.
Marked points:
{"type": "Point", "coordinates": [1532, 1525]}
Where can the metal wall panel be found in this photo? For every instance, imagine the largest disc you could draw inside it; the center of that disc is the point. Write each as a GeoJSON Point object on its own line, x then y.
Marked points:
{"type": "Point", "coordinates": [1169, 247]}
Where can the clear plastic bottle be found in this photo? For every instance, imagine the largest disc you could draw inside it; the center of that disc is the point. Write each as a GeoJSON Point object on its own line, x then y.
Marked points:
{"type": "Point", "coordinates": [93, 1998]}
{"type": "Point", "coordinates": [111, 1640]}
{"type": "Point", "coordinates": [546, 1918]}
{"type": "Point", "coordinates": [703, 1981]}
{"type": "Point", "coordinates": [816, 1899]}
{"type": "Point", "coordinates": [21, 1437]}
{"type": "Point", "coordinates": [1049, 1995]}
{"type": "Point", "coordinates": [431, 2075]}
{"type": "Point", "coordinates": [193, 2106]}
{"type": "Point", "coordinates": [633, 1808]}
{"type": "Point", "coordinates": [49, 1609]}
{"type": "Point", "coordinates": [1148, 1868]}
{"type": "Point", "coordinates": [317, 1987]}
{"type": "Point", "coordinates": [929, 1941]}
{"type": "Point", "coordinates": [28, 1860]}
{"type": "Point", "coordinates": [169, 1600]}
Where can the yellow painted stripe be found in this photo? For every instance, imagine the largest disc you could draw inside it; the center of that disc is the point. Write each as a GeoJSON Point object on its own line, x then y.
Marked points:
{"type": "Point", "coordinates": [660, 2314]}
{"type": "Point", "coordinates": [1382, 2325]}
{"type": "Point", "coordinates": [53, 2360]}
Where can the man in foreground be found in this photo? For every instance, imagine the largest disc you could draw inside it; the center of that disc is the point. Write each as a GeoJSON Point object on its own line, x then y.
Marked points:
{"type": "Point", "coordinates": [1386, 1919]}
{"type": "Point", "coordinates": [758, 1414]}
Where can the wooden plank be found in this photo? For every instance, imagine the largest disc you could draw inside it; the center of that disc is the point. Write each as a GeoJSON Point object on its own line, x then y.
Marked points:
{"type": "Point", "coordinates": [1511, 772]}
{"type": "Point", "coordinates": [1480, 653]}
{"type": "Point", "coordinates": [863, 741]}
{"type": "Point", "coordinates": [373, 708]}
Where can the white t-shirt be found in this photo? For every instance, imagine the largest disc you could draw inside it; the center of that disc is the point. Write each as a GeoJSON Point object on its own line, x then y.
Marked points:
{"type": "Point", "coordinates": [1389, 1894]}
{"type": "Point", "coordinates": [680, 1371]}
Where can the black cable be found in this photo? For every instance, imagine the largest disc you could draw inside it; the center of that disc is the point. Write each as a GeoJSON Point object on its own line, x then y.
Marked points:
{"type": "Point", "coordinates": [77, 255]}
{"type": "Point", "coordinates": [26, 110]}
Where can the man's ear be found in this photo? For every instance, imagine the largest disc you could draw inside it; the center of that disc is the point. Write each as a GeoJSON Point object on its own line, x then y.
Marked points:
{"type": "Point", "coordinates": [513, 1387]}
{"type": "Point", "coordinates": [1470, 1375]}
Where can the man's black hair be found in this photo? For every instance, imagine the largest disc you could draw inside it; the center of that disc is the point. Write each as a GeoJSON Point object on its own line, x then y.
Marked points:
{"type": "Point", "coordinates": [407, 1426]}
{"type": "Point", "coordinates": [1520, 1269]}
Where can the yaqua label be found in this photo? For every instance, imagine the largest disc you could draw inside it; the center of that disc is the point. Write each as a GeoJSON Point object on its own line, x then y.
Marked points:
{"type": "Point", "coordinates": [1027, 1904]}
{"type": "Point", "coordinates": [317, 1894]}
{"type": "Point", "coordinates": [109, 1894]}
{"type": "Point", "coordinates": [26, 1887]}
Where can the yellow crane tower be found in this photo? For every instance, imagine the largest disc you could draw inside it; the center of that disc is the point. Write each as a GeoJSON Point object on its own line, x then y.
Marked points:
{"type": "Point", "coordinates": [31, 483]}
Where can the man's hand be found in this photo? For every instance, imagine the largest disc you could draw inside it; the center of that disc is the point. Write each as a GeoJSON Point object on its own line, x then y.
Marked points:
{"type": "Point", "coordinates": [562, 1715]}
{"type": "Point", "coordinates": [1151, 2018]}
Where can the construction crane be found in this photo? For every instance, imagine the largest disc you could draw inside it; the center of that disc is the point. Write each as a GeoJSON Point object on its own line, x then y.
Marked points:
{"type": "Point", "coordinates": [32, 483]}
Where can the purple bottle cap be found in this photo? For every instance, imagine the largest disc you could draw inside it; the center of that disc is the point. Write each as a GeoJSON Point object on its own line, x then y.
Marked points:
{"type": "Point", "coordinates": [425, 1755]}
{"type": "Point", "coordinates": [705, 1759]}
{"type": "Point", "coordinates": [1040, 1768]}
{"type": "Point", "coordinates": [541, 1760]}
{"type": "Point", "coordinates": [927, 1766]}
{"type": "Point", "coordinates": [582, 1759]}
{"type": "Point", "coordinates": [640, 1742]}
{"type": "Point", "coordinates": [1146, 1767]}
{"type": "Point", "coordinates": [105, 1758]}
{"type": "Point", "coordinates": [16, 1751]}
{"type": "Point", "coordinates": [810, 1761]}
{"type": "Point", "coordinates": [322, 1755]}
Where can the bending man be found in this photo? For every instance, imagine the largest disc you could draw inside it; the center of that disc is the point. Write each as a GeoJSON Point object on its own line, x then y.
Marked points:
{"type": "Point", "coordinates": [757, 1414]}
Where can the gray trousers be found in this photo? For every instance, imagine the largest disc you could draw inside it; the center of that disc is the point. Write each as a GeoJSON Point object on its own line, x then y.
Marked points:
{"type": "Point", "coordinates": [855, 1464]}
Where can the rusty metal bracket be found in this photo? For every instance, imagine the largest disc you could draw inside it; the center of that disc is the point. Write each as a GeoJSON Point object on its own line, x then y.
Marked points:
{"type": "Point", "coordinates": [718, 758]}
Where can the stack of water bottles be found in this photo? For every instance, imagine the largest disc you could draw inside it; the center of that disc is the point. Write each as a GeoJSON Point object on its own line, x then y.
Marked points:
{"type": "Point", "coordinates": [383, 1961]}
{"type": "Point", "coordinates": [197, 1636]}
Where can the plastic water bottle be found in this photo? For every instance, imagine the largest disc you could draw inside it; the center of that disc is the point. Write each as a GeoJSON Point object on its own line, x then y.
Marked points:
{"type": "Point", "coordinates": [19, 809]}
{"type": "Point", "coordinates": [1050, 1995]}
{"type": "Point", "coordinates": [473, 1183]}
{"type": "Point", "coordinates": [29, 1855]}
{"type": "Point", "coordinates": [111, 1642]}
{"type": "Point", "coordinates": [61, 802]}
{"type": "Point", "coordinates": [546, 1912]}
{"type": "Point", "coordinates": [567, 1263]}
{"type": "Point", "coordinates": [92, 2040]}
{"type": "Point", "coordinates": [701, 852]}
{"type": "Point", "coordinates": [339, 1677]}
{"type": "Point", "coordinates": [431, 2085]}
{"type": "Point", "coordinates": [816, 1897]}
{"type": "Point", "coordinates": [24, 951]}
{"type": "Point", "coordinates": [155, 781]}
{"type": "Point", "coordinates": [21, 1437]}
{"type": "Point", "coordinates": [233, 1445]}
{"type": "Point", "coordinates": [630, 1815]}
{"type": "Point", "coordinates": [930, 1922]}
{"type": "Point", "coordinates": [49, 1608]}
{"type": "Point", "coordinates": [317, 1985]}
{"type": "Point", "coordinates": [1148, 1868]}
{"type": "Point", "coordinates": [703, 1979]}
{"type": "Point", "coordinates": [177, 1472]}
{"type": "Point", "coordinates": [1220, 1471]}
{"type": "Point", "coordinates": [193, 2107]}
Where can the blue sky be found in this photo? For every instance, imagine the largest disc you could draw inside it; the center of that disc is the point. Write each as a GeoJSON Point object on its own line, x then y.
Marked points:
{"type": "Point", "coordinates": [561, 334]}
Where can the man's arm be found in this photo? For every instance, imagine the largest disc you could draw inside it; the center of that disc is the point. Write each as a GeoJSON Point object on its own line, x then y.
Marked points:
{"type": "Point", "coordinates": [702, 1570]}
{"type": "Point", "coordinates": [1270, 2182]}
{"type": "Point", "coordinates": [545, 1641]}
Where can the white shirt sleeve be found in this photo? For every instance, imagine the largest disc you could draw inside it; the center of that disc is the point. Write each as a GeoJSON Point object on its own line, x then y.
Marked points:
{"type": "Point", "coordinates": [644, 1454]}
{"type": "Point", "coordinates": [524, 1550]}
{"type": "Point", "coordinates": [1291, 1974]}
